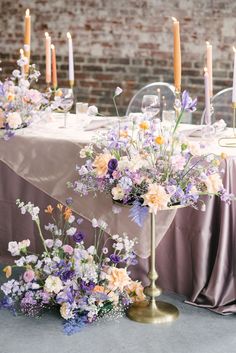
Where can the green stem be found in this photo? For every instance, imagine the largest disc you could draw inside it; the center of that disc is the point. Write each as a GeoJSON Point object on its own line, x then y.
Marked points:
{"type": "Point", "coordinates": [41, 235]}
{"type": "Point", "coordinates": [115, 106]}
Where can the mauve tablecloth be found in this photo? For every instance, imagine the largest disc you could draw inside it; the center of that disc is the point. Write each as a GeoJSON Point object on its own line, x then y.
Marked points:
{"type": "Point", "coordinates": [195, 258]}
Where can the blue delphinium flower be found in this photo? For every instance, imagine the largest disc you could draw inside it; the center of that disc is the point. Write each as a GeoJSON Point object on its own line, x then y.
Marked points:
{"type": "Point", "coordinates": [138, 213]}
{"type": "Point", "coordinates": [74, 325]}
{"type": "Point", "coordinates": [115, 258]}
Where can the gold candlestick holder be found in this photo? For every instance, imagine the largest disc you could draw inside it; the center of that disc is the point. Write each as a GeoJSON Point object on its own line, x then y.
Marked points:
{"type": "Point", "coordinates": [152, 311]}
{"type": "Point", "coordinates": [230, 141]}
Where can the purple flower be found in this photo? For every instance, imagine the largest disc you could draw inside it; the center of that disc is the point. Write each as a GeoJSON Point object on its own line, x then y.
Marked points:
{"type": "Point", "coordinates": [78, 237]}
{"type": "Point", "coordinates": [138, 213]}
{"type": "Point", "coordinates": [65, 275]}
{"type": "Point", "coordinates": [112, 165]}
{"type": "Point", "coordinates": [187, 103]}
{"type": "Point", "coordinates": [74, 325]}
{"type": "Point", "coordinates": [87, 286]}
{"type": "Point", "coordinates": [115, 258]}
{"type": "Point", "coordinates": [69, 201]}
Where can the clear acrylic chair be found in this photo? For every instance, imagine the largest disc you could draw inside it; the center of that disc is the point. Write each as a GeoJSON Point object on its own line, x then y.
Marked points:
{"type": "Point", "coordinates": [222, 107]}
{"type": "Point", "coordinates": [165, 91]}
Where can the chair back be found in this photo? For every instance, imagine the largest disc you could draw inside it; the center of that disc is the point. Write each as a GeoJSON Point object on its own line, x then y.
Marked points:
{"type": "Point", "coordinates": [222, 107]}
{"type": "Point", "coordinates": [166, 94]}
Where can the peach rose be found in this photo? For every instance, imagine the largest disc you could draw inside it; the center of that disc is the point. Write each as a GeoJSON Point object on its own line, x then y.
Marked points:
{"type": "Point", "coordinates": [135, 291]}
{"type": "Point", "coordinates": [117, 278]}
{"type": "Point", "coordinates": [1, 119]}
{"type": "Point", "coordinates": [101, 164]}
{"type": "Point", "coordinates": [112, 296]}
{"type": "Point", "coordinates": [156, 198]}
{"type": "Point", "coordinates": [213, 183]}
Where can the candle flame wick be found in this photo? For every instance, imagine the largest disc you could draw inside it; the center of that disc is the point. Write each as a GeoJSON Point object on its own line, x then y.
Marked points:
{"type": "Point", "coordinates": [174, 19]}
{"type": "Point", "coordinates": [205, 69]}
{"type": "Point", "coordinates": [234, 49]}
{"type": "Point", "coordinates": [21, 51]}
{"type": "Point", "coordinates": [52, 46]}
{"type": "Point", "coordinates": [207, 43]}
{"type": "Point", "coordinates": [27, 12]}
{"type": "Point", "coordinates": [68, 35]}
{"type": "Point", "coordinates": [46, 34]}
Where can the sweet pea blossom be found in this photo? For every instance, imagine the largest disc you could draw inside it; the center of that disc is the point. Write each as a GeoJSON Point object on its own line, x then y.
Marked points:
{"type": "Point", "coordinates": [118, 91]}
{"type": "Point", "coordinates": [28, 276]}
{"type": "Point", "coordinates": [68, 249]}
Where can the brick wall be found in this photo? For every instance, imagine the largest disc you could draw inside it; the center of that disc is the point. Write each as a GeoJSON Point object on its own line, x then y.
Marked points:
{"type": "Point", "coordinates": [126, 42]}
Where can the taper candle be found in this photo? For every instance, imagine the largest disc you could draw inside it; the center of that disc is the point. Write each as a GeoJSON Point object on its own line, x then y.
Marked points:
{"type": "Point", "coordinates": [54, 67]}
{"type": "Point", "coordinates": [27, 37]}
{"type": "Point", "coordinates": [209, 67]}
{"type": "Point", "coordinates": [48, 58]}
{"type": "Point", "coordinates": [207, 98]}
{"type": "Point", "coordinates": [234, 79]}
{"type": "Point", "coordinates": [177, 55]}
{"type": "Point", "coordinates": [71, 60]}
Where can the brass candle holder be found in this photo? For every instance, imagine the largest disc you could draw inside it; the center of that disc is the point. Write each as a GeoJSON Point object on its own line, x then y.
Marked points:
{"type": "Point", "coordinates": [152, 311]}
{"type": "Point", "coordinates": [230, 141]}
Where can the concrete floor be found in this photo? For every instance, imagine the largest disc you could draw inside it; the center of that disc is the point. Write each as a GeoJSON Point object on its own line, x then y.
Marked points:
{"type": "Point", "coordinates": [196, 331]}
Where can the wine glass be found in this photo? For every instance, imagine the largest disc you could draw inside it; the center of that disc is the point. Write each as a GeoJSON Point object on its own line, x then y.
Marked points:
{"type": "Point", "coordinates": [150, 105]}
{"type": "Point", "coordinates": [65, 100]}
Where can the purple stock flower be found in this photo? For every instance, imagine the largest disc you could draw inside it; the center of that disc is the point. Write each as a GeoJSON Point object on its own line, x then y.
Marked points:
{"type": "Point", "coordinates": [187, 103]}
{"type": "Point", "coordinates": [112, 165]}
{"type": "Point", "coordinates": [78, 237]}
{"type": "Point", "coordinates": [115, 258]}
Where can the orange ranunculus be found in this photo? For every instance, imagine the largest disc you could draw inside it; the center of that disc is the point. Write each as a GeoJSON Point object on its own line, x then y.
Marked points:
{"type": "Point", "coordinates": [144, 125]}
{"type": "Point", "coordinates": [8, 271]}
{"type": "Point", "coordinates": [49, 209]}
{"type": "Point", "coordinates": [159, 140]}
{"type": "Point", "coordinates": [101, 164]}
{"type": "Point", "coordinates": [124, 133]}
{"type": "Point", "coordinates": [67, 213]}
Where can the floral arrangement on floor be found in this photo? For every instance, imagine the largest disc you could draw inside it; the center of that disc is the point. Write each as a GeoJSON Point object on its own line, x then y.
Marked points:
{"type": "Point", "coordinates": [20, 104]}
{"type": "Point", "coordinates": [150, 167]}
{"type": "Point", "coordinates": [85, 284]}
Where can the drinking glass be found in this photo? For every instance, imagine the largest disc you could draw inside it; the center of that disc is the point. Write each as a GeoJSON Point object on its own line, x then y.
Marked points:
{"type": "Point", "coordinates": [65, 102]}
{"type": "Point", "coordinates": [150, 105]}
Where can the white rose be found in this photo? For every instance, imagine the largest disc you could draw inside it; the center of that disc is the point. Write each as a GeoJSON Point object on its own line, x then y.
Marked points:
{"type": "Point", "coordinates": [53, 284]}
{"type": "Point", "coordinates": [117, 192]}
{"type": "Point", "coordinates": [14, 120]}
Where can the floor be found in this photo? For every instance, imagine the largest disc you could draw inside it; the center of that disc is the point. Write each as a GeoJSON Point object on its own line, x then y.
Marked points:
{"type": "Point", "coordinates": [196, 331]}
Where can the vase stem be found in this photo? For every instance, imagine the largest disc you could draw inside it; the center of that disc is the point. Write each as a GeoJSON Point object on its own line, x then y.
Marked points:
{"type": "Point", "coordinates": [152, 290]}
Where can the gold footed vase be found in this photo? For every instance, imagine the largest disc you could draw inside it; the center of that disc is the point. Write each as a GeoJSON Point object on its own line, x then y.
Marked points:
{"type": "Point", "coordinates": [152, 311]}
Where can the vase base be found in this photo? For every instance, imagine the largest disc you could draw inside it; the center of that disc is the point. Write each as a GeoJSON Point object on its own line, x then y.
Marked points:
{"type": "Point", "coordinates": [156, 312]}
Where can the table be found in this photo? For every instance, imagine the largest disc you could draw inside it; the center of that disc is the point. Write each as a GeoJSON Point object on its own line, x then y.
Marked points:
{"type": "Point", "coordinates": [195, 258]}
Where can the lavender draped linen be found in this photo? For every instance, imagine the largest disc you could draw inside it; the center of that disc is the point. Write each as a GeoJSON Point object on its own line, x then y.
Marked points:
{"type": "Point", "coordinates": [196, 257]}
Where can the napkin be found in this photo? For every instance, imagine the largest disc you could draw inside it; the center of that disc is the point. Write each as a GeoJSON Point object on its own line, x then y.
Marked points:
{"type": "Point", "coordinates": [219, 125]}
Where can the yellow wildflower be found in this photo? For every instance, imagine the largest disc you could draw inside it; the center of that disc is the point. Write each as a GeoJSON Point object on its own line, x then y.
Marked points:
{"type": "Point", "coordinates": [8, 271]}
{"type": "Point", "coordinates": [144, 125]}
{"type": "Point", "coordinates": [159, 140]}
